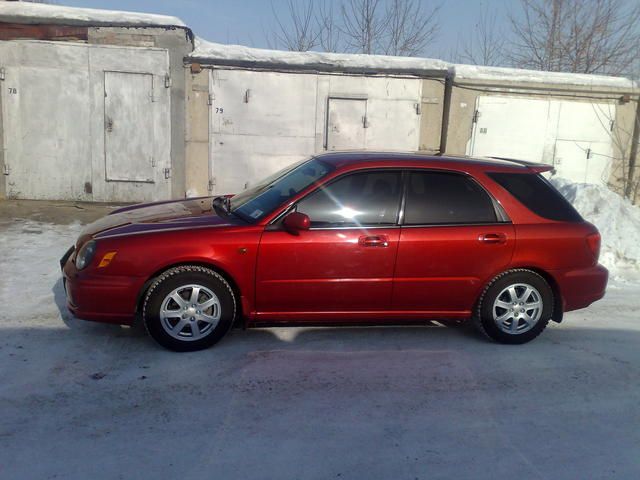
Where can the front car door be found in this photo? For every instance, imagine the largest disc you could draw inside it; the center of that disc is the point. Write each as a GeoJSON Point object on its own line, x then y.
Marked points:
{"type": "Point", "coordinates": [454, 238]}
{"type": "Point", "coordinates": [343, 265]}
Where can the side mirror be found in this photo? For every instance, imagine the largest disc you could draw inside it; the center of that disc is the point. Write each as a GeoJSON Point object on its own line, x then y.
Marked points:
{"type": "Point", "coordinates": [296, 221]}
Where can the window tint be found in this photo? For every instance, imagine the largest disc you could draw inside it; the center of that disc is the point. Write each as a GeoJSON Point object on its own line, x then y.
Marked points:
{"type": "Point", "coordinates": [538, 195]}
{"type": "Point", "coordinates": [446, 198]}
{"type": "Point", "coordinates": [370, 198]}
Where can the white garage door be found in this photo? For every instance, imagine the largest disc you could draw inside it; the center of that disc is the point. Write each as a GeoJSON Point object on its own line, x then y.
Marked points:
{"type": "Point", "coordinates": [85, 122]}
{"type": "Point", "coordinates": [571, 135]}
{"type": "Point", "coordinates": [46, 119]}
{"type": "Point", "coordinates": [260, 122]}
{"type": "Point", "coordinates": [346, 122]}
{"type": "Point", "coordinates": [510, 127]}
{"type": "Point", "coordinates": [128, 133]}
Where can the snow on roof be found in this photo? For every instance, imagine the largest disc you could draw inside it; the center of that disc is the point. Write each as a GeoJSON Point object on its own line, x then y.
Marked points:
{"type": "Point", "coordinates": [37, 13]}
{"type": "Point", "coordinates": [208, 52]}
{"type": "Point", "coordinates": [519, 75]}
{"type": "Point", "coordinates": [237, 55]}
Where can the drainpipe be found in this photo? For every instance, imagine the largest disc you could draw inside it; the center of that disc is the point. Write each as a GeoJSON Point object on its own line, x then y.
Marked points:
{"type": "Point", "coordinates": [446, 108]}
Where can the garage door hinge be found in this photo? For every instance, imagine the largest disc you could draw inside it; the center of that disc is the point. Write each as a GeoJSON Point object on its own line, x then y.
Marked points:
{"type": "Point", "coordinates": [167, 81]}
{"type": "Point", "coordinates": [153, 162]}
{"type": "Point", "coordinates": [210, 100]}
{"type": "Point", "coordinates": [6, 170]}
{"type": "Point", "coordinates": [365, 122]}
{"type": "Point", "coordinates": [476, 116]}
{"type": "Point", "coordinates": [167, 173]}
{"type": "Point", "coordinates": [611, 124]}
{"type": "Point", "coordinates": [2, 73]}
{"type": "Point", "coordinates": [212, 183]}
{"type": "Point", "coordinates": [418, 107]}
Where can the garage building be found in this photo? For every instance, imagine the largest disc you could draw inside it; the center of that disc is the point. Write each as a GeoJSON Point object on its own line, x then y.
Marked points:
{"type": "Point", "coordinates": [583, 125]}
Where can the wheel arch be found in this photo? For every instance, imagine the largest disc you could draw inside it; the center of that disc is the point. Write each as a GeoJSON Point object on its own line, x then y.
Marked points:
{"type": "Point", "coordinates": [212, 266]}
{"type": "Point", "coordinates": [558, 304]}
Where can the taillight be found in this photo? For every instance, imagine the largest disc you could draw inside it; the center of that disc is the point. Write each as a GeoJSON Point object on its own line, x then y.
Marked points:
{"type": "Point", "coordinates": [593, 240]}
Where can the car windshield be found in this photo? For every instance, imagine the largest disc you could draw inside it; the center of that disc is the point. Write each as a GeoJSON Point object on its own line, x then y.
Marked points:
{"type": "Point", "coordinates": [266, 196]}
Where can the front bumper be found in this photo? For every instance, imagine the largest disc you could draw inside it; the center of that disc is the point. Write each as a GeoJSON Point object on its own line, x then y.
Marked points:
{"type": "Point", "coordinates": [580, 288]}
{"type": "Point", "coordinates": [99, 297]}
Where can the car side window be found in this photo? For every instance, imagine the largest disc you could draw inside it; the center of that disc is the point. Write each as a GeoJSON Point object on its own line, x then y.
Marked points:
{"type": "Point", "coordinates": [441, 198]}
{"type": "Point", "coordinates": [367, 199]}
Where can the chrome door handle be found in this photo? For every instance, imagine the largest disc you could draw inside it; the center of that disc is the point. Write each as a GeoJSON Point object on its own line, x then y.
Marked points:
{"type": "Point", "coordinates": [374, 241]}
{"type": "Point", "coordinates": [493, 238]}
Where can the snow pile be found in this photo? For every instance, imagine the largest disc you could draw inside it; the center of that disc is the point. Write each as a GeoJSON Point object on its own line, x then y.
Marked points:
{"type": "Point", "coordinates": [35, 13]}
{"type": "Point", "coordinates": [208, 51]}
{"type": "Point", "coordinates": [503, 74]}
{"type": "Point", "coordinates": [617, 220]}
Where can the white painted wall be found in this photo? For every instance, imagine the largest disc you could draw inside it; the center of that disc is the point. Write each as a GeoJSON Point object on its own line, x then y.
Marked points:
{"type": "Point", "coordinates": [55, 124]}
{"type": "Point", "coordinates": [262, 121]}
{"type": "Point", "coordinates": [572, 135]}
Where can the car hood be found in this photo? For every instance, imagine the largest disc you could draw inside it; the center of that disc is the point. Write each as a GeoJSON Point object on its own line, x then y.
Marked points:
{"type": "Point", "coordinates": [160, 216]}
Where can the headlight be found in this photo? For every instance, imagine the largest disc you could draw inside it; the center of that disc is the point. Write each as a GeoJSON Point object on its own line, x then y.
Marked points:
{"type": "Point", "coordinates": [86, 254]}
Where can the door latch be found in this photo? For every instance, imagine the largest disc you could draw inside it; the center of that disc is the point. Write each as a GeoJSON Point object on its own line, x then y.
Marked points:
{"type": "Point", "coordinates": [374, 241]}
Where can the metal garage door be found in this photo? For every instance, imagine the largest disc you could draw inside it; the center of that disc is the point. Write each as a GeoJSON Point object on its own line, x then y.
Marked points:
{"type": "Point", "coordinates": [583, 148]}
{"type": "Point", "coordinates": [128, 120]}
{"type": "Point", "coordinates": [573, 136]}
{"type": "Point", "coordinates": [260, 122]}
{"type": "Point", "coordinates": [346, 123]}
{"type": "Point", "coordinates": [46, 119]}
{"type": "Point", "coordinates": [75, 127]}
{"type": "Point", "coordinates": [510, 127]}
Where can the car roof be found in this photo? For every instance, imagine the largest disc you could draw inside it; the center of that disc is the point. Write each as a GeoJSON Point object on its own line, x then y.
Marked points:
{"type": "Point", "coordinates": [349, 158]}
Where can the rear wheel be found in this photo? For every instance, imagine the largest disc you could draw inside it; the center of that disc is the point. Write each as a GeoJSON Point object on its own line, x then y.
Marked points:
{"type": "Point", "coordinates": [189, 308]}
{"type": "Point", "coordinates": [516, 307]}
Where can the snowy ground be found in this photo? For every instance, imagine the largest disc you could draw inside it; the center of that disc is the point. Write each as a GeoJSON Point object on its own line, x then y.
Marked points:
{"type": "Point", "coordinates": [80, 400]}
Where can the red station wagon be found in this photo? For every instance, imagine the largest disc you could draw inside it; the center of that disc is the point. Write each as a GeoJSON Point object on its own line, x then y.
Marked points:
{"type": "Point", "coordinates": [345, 238]}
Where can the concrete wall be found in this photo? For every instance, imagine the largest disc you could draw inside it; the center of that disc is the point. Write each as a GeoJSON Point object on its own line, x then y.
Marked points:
{"type": "Point", "coordinates": [432, 105]}
{"type": "Point", "coordinates": [197, 133]}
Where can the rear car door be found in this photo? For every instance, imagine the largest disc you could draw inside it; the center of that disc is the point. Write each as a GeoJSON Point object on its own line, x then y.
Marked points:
{"type": "Point", "coordinates": [454, 238]}
{"type": "Point", "coordinates": [345, 261]}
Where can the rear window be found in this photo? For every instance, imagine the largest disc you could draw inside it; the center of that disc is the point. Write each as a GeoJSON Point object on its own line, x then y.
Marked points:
{"type": "Point", "coordinates": [538, 195]}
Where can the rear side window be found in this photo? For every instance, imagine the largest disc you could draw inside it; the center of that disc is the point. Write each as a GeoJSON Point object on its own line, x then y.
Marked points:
{"type": "Point", "coordinates": [446, 198]}
{"type": "Point", "coordinates": [371, 198]}
{"type": "Point", "coordinates": [538, 195]}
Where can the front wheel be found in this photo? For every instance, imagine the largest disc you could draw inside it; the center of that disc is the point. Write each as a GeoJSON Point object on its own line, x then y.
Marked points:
{"type": "Point", "coordinates": [516, 307]}
{"type": "Point", "coordinates": [189, 308]}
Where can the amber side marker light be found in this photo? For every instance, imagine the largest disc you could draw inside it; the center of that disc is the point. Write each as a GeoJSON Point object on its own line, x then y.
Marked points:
{"type": "Point", "coordinates": [106, 259]}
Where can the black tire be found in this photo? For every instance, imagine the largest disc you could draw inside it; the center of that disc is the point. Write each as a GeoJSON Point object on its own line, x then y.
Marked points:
{"type": "Point", "coordinates": [175, 278]}
{"type": "Point", "coordinates": [484, 318]}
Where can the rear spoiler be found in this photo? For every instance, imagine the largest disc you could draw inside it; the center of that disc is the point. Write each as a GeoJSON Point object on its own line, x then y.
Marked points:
{"type": "Point", "coordinates": [533, 166]}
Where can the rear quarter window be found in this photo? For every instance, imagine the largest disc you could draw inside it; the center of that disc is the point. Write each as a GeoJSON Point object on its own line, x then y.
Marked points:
{"type": "Point", "coordinates": [538, 195]}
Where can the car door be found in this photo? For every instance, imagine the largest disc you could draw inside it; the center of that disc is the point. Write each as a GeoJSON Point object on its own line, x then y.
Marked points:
{"type": "Point", "coordinates": [454, 238]}
{"type": "Point", "coordinates": [344, 262]}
